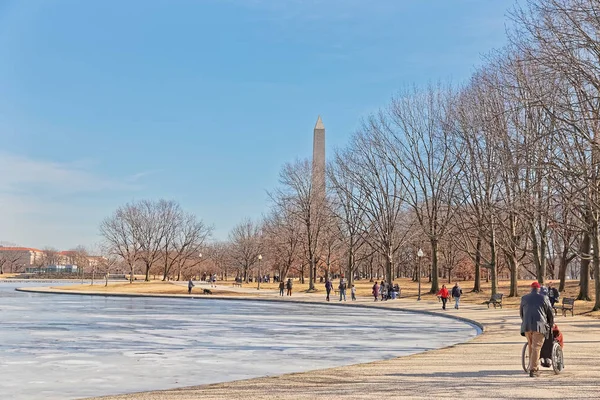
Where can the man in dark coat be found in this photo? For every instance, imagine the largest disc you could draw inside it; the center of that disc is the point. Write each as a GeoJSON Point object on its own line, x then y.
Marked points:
{"type": "Point", "coordinates": [328, 287]}
{"type": "Point", "coordinates": [553, 294]}
{"type": "Point", "coordinates": [537, 321]}
{"type": "Point", "coordinates": [456, 293]}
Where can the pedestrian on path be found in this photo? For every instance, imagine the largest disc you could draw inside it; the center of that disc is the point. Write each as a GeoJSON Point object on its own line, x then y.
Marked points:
{"type": "Point", "coordinates": [537, 319]}
{"type": "Point", "coordinates": [281, 288]}
{"type": "Point", "coordinates": [190, 286]}
{"type": "Point", "coordinates": [553, 294]}
{"type": "Point", "coordinates": [456, 293]}
{"type": "Point", "coordinates": [353, 293]}
{"type": "Point", "coordinates": [289, 286]}
{"type": "Point", "coordinates": [342, 289]}
{"type": "Point", "coordinates": [444, 295]}
{"type": "Point", "coordinates": [328, 287]}
{"type": "Point", "coordinates": [376, 290]}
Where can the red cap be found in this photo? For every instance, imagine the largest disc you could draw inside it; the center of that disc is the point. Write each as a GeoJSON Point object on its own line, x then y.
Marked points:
{"type": "Point", "coordinates": [535, 285]}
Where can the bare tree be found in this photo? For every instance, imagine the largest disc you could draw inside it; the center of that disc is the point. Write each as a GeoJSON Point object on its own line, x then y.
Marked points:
{"type": "Point", "coordinates": [308, 204]}
{"type": "Point", "coordinates": [419, 146]}
{"type": "Point", "coordinates": [120, 233]}
{"type": "Point", "coordinates": [9, 258]}
{"type": "Point", "coordinates": [563, 36]}
{"type": "Point", "coordinates": [282, 237]}
{"type": "Point", "coordinates": [184, 237]}
{"type": "Point", "coordinates": [245, 240]}
{"type": "Point", "coordinates": [377, 192]}
{"type": "Point", "coordinates": [348, 207]}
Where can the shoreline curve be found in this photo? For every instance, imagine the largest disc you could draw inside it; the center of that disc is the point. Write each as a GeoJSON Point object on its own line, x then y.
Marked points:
{"type": "Point", "coordinates": [40, 290]}
{"type": "Point", "coordinates": [485, 367]}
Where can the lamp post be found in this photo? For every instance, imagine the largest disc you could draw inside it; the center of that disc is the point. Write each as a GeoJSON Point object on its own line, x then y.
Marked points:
{"type": "Point", "coordinates": [419, 256]}
{"type": "Point", "coordinates": [199, 261]}
{"type": "Point", "coordinates": [259, 260]}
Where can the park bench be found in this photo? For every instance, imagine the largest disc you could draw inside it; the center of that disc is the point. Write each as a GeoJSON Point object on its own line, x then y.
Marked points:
{"type": "Point", "coordinates": [568, 304]}
{"type": "Point", "coordinates": [237, 284]}
{"type": "Point", "coordinates": [496, 300]}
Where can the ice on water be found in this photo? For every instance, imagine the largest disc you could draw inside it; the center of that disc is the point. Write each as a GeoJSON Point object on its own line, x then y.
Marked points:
{"type": "Point", "coordinates": [65, 346]}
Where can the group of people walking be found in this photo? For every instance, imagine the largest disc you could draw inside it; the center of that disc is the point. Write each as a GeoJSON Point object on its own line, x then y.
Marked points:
{"type": "Point", "coordinates": [342, 288]}
{"type": "Point", "coordinates": [286, 286]}
{"type": "Point", "coordinates": [444, 295]}
{"type": "Point", "coordinates": [387, 291]}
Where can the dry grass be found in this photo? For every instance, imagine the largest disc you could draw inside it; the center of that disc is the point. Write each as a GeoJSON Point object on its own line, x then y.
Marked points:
{"type": "Point", "coordinates": [7, 275]}
{"type": "Point", "coordinates": [152, 287]}
{"type": "Point", "coordinates": [363, 289]}
{"type": "Point", "coordinates": [410, 290]}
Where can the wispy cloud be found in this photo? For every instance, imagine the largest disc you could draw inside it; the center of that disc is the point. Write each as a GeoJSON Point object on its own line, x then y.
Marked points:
{"type": "Point", "coordinates": [21, 174]}
{"type": "Point", "coordinates": [140, 175]}
{"type": "Point", "coordinates": [56, 203]}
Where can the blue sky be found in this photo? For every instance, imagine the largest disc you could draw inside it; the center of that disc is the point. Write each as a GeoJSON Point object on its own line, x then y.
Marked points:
{"type": "Point", "coordinates": [105, 101]}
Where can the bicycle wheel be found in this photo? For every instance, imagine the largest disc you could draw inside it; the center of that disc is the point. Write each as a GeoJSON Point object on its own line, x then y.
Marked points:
{"type": "Point", "coordinates": [558, 362]}
{"type": "Point", "coordinates": [525, 357]}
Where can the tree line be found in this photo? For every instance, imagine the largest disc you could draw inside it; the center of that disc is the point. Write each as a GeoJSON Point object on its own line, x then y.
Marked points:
{"type": "Point", "coordinates": [497, 177]}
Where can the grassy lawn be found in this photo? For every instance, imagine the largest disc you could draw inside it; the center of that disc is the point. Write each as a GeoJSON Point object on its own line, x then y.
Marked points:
{"type": "Point", "coordinates": [152, 287]}
{"type": "Point", "coordinates": [410, 291]}
{"type": "Point", "coordinates": [363, 289]}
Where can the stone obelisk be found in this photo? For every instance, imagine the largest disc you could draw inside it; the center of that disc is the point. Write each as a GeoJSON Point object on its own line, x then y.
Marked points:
{"type": "Point", "coordinates": [318, 161]}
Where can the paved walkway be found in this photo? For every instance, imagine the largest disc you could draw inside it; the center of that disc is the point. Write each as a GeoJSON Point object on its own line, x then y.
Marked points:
{"type": "Point", "coordinates": [486, 367]}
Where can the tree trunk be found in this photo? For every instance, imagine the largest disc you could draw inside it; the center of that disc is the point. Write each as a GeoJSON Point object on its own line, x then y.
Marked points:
{"type": "Point", "coordinates": [493, 260]}
{"type": "Point", "coordinates": [562, 269]}
{"type": "Point", "coordinates": [477, 283]}
{"type": "Point", "coordinates": [434, 267]}
{"type": "Point", "coordinates": [389, 267]}
{"type": "Point", "coordinates": [584, 273]}
{"type": "Point", "coordinates": [513, 263]}
{"type": "Point", "coordinates": [350, 270]}
{"type": "Point", "coordinates": [596, 268]}
{"type": "Point", "coordinates": [311, 274]}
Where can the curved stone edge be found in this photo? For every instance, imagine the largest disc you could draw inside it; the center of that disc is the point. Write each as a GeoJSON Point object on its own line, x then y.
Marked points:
{"type": "Point", "coordinates": [44, 290]}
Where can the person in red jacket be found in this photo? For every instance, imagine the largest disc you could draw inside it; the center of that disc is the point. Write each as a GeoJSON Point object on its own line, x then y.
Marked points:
{"type": "Point", "coordinates": [444, 295]}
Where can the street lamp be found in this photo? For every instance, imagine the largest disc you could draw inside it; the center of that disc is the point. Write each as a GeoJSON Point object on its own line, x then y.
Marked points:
{"type": "Point", "coordinates": [419, 256]}
{"type": "Point", "coordinates": [259, 260]}
{"type": "Point", "coordinates": [199, 262]}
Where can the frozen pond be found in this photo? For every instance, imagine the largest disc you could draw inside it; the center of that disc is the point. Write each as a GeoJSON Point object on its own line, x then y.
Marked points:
{"type": "Point", "coordinates": [67, 347]}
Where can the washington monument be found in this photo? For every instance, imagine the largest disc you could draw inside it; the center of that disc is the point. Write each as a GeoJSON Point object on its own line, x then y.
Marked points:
{"type": "Point", "coordinates": [318, 160]}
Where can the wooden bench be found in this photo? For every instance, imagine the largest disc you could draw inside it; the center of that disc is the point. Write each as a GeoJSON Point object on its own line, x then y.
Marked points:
{"type": "Point", "coordinates": [496, 300]}
{"type": "Point", "coordinates": [237, 284]}
{"type": "Point", "coordinates": [568, 304]}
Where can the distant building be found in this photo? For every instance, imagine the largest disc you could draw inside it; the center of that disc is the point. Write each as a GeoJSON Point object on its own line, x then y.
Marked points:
{"type": "Point", "coordinates": [17, 259]}
{"type": "Point", "coordinates": [53, 269]}
{"type": "Point", "coordinates": [26, 259]}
